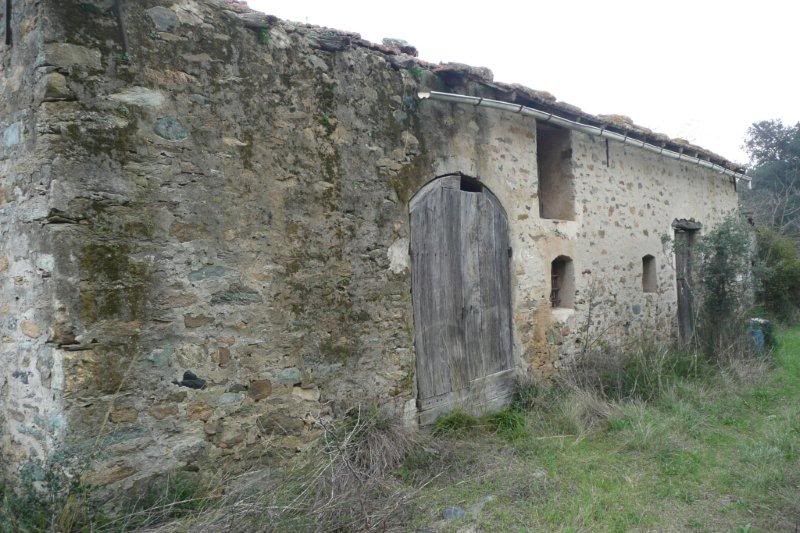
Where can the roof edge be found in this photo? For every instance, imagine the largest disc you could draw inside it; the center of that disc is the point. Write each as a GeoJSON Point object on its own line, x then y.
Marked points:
{"type": "Point", "coordinates": [401, 55]}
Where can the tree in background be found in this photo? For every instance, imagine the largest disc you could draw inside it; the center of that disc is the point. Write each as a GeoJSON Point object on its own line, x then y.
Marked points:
{"type": "Point", "coordinates": [723, 286]}
{"type": "Point", "coordinates": [774, 150]}
{"type": "Point", "coordinates": [778, 274]}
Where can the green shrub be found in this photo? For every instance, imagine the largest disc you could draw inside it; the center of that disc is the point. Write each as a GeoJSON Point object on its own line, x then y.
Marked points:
{"type": "Point", "coordinates": [650, 368]}
{"type": "Point", "coordinates": [642, 370]}
{"type": "Point", "coordinates": [416, 72]}
{"type": "Point", "coordinates": [724, 287]}
{"type": "Point", "coordinates": [778, 274]}
{"type": "Point", "coordinates": [23, 512]}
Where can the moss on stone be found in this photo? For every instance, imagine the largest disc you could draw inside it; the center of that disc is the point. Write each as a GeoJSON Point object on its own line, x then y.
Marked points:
{"type": "Point", "coordinates": [112, 285]}
{"type": "Point", "coordinates": [327, 97]}
{"type": "Point", "coordinates": [333, 351]}
{"type": "Point", "coordinates": [325, 122]}
{"type": "Point", "coordinates": [406, 383]}
{"type": "Point", "coordinates": [114, 142]}
{"type": "Point", "coordinates": [411, 178]}
{"type": "Point", "coordinates": [246, 150]}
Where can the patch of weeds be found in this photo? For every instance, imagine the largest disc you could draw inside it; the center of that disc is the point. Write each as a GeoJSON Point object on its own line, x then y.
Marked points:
{"type": "Point", "coordinates": [23, 512]}
{"type": "Point", "coordinates": [586, 412]}
{"type": "Point", "coordinates": [418, 464]}
{"type": "Point", "coordinates": [678, 462]}
{"type": "Point", "coordinates": [164, 499]}
{"type": "Point", "coordinates": [643, 431]}
{"type": "Point", "coordinates": [263, 36]}
{"type": "Point", "coordinates": [529, 395]}
{"type": "Point", "coordinates": [91, 9]}
{"type": "Point", "coordinates": [183, 488]}
{"type": "Point", "coordinates": [326, 123]}
{"type": "Point", "coordinates": [508, 423]}
{"type": "Point", "coordinates": [620, 423]}
{"type": "Point", "coordinates": [454, 423]}
{"type": "Point", "coordinates": [416, 72]}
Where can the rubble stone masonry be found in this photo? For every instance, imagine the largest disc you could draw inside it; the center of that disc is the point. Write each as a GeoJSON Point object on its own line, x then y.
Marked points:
{"type": "Point", "coordinates": [190, 186]}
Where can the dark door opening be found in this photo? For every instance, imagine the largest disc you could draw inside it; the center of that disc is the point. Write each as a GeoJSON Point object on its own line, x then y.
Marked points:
{"type": "Point", "coordinates": [685, 237]}
{"type": "Point", "coordinates": [8, 22]}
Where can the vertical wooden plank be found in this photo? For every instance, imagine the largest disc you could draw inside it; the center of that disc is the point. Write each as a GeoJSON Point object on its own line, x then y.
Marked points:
{"type": "Point", "coordinates": [503, 255]}
{"type": "Point", "coordinates": [501, 278]}
{"type": "Point", "coordinates": [487, 340]}
{"type": "Point", "coordinates": [472, 250]}
{"type": "Point", "coordinates": [436, 283]}
{"type": "Point", "coordinates": [420, 283]}
{"type": "Point", "coordinates": [495, 287]}
{"type": "Point", "coordinates": [449, 290]}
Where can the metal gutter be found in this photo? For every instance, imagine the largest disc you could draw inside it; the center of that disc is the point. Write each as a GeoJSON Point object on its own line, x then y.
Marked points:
{"type": "Point", "coordinates": [544, 116]}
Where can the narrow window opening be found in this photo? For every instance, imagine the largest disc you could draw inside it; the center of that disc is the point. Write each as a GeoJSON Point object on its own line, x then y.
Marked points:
{"type": "Point", "coordinates": [649, 275]}
{"type": "Point", "coordinates": [7, 17]}
{"type": "Point", "coordinates": [471, 184]}
{"type": "Point", "coordinates": [562, 283]}
{"type": "Point", "coordinates": [556, 182]}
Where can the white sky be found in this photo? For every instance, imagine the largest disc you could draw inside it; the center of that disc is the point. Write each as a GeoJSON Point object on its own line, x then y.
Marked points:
{"type": "Point", "coordinates": [699, 69]}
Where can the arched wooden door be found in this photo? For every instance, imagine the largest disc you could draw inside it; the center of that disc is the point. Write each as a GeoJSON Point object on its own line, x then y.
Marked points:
{"type": "Point", "coordinates": [462, 297]}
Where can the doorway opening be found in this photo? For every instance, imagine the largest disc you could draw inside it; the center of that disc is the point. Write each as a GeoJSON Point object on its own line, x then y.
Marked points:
{"type": "Point", "coordinates": [461, 294]}
{"type": "Point", "coordinates": [686, 232]}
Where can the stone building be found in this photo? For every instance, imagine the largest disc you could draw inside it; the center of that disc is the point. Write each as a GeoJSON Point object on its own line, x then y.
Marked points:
{"type": "Point", "coordinates": [189, 186]}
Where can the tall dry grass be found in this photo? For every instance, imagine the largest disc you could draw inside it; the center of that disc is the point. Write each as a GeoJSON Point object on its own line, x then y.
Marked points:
{"type": "Point", "coordinates": [344, 483]}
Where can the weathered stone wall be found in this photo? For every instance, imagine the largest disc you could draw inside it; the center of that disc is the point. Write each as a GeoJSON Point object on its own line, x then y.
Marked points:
{"type": "Point", "coordinates": [31, 404]}
{"type": "Point", "coordinates": [203, 189]}
{"type": "Point", "coordinates": [626, 200]}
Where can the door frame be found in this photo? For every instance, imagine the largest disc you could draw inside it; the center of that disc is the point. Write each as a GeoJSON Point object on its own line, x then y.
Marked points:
{"type": "Point", "coordinates": [685, 310]}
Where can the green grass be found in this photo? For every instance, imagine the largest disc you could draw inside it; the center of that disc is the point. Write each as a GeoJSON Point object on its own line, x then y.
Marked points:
{"type": "Point", "coordinates": [714, 453]}
{"type": "Point", "coordinates": [455, 423]}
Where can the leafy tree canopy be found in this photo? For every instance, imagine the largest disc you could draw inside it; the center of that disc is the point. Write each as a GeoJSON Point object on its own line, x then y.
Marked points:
{"type": "Point", "coordinates": [774, 150]}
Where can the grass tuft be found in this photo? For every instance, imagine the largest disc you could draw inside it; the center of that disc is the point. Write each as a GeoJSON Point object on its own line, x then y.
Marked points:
{"type": "Point", "coordinates": [456, 422]}
{"type": "Point", "coordinates": [509, 423]}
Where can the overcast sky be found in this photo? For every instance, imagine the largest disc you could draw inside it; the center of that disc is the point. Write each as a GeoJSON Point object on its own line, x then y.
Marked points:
{"type": "Point", "coordinates": [698, 69]}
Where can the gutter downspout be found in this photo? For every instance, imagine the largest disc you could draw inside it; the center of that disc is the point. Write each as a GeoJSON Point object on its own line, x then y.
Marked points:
{"type": "Point", "coordinates": [544, 116]}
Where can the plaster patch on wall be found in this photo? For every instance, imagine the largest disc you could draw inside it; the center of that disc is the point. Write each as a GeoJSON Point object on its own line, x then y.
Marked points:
{"type": "Point", "coordinates": [45, 262]}
{"type": "Point", "coordinates": [398, 256]}
{"type": "Point", "coordinates": [12, 135]}
{"type": "Point", "coordinates": [139, 96]}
